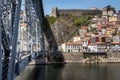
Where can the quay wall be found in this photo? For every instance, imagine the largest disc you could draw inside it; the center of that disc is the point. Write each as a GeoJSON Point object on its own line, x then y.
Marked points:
{"type": "Point", "coordinates": [73, 57]}
{"type": "Point", "coordinates": [113, 57]}
{"type": "Point", "coordinates": [80, 57]}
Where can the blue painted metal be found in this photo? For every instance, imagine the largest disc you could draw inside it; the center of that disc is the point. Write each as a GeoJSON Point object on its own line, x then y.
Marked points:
{"type": "Point", "coordinates": [14, 40]}
{"type": "Point", "coordinates": [13, 61]}
{"type": "Point", "coordinates": [5, 27]}
{"type": "Point", "coordinates": [0, 42]}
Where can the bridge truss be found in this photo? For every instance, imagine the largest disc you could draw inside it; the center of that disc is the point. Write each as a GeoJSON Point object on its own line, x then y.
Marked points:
{"type": "Point", "coordinates": [18, 47]}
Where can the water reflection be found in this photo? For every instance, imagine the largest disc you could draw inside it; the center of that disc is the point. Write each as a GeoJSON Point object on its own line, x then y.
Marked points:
{"type": "Point", "coordinates": [75, 71]}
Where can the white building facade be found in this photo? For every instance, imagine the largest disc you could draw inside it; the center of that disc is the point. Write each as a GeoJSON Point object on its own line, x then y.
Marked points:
{"type": "Point", "coordinates": [72, 47]}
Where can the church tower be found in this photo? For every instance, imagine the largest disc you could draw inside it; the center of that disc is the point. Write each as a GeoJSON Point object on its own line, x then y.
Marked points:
{"type": "Point", "coordinates": [54, 12]}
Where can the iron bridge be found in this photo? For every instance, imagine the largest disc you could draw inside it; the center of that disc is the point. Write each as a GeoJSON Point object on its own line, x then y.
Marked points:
{"type": "Point", "coordinates": [19, 44]}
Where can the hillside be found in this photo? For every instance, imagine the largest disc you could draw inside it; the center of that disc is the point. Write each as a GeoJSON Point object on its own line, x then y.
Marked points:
{"type": "Point", "coordinates": [61, 29]}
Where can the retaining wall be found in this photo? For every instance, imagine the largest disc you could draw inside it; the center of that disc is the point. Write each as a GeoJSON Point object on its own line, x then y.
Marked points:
{"type": "Point", "coordinates": [79, 57]}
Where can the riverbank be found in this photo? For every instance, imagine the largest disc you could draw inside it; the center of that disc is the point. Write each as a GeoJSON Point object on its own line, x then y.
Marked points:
{"type": "Point", "coordinates": [77, 58]}
{"type": "Point", "coordinates": [69, 62]}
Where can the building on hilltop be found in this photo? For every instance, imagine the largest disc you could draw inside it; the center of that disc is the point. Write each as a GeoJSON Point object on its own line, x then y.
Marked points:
{"type": "Point", "coordinates": [119, 12]}
{"type": "Point", "coordinates": [83, 31]}
{"type": "Point", "coordinates": [119, 15]}
{"type": "Point", "coordinates": [113, 18]}
{"type": "Point", "coordinates": [54, 12]}
{"type": "Point", "coordinates": [75, 12]}
{"type": "Point", "coordinates": [105, 12]}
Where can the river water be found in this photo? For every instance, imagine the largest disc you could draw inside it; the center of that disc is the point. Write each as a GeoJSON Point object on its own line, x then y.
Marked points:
{"type": "Point", "coordinates": [74, 71]}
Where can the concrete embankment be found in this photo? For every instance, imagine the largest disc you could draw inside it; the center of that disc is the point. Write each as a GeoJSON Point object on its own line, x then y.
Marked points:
{"type": "Point", "coordinates": [113, 57]}
{"type": "Point", "coordinates": [73, 57]}
{"type": "Point", "coordinates": [77, 57]}
{"type": "Point", "coordinates": [80, 57]}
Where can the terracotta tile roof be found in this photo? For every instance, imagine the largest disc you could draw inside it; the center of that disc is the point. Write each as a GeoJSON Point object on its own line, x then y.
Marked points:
{"type": "Point", "coordinates": [113, 27]}
{"type": "Point", "coordinates": [99, 28]}
{"type": "Point", "coordinates": [100, 43]}
{"type": "Point", "coordinates": [69, 42]}
{"type": "Point", "coordinates": [115, 42]}
{"type": "Point", "coordinates": [77, 42]}
{"type": "Point", "coordinates": [110, 29]}
{"type": "Point", "coordinates": [83, 27]}
{"type": "Point", "coordinates": [100, 25]}
{"type": "Point", "coordinates": [88, 34]}
{"type": "Point", "coordinates": [107, 36]}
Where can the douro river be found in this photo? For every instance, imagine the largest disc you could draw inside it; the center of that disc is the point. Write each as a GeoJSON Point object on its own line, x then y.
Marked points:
{"type": "Point", "coordinates": [74, 71]}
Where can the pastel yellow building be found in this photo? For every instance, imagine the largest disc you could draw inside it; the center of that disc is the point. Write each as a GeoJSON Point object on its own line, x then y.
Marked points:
{"type": "Point", "coordinates": [113, 18]}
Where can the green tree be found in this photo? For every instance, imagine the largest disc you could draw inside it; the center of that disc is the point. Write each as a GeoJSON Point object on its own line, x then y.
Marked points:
{"type": "Point", "coordinates": [84, 20]}
{"type": "Point", "coordinates": [50, 19]}
{"type": "Point", "coordinates": [108, 8]}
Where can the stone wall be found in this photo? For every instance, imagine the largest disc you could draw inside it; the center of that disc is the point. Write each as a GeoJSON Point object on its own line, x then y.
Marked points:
{"type": "Point", "coordinates": [68, 57]}
{"type": "Point", "coordinates": [80, 57]}
{"type": "Point", "coordinates": [75, 12]}
{"type": "Point", "coordinates": [73, 57]}
{"type": "Point", "coordinates": [113, 57]}
{"type": "Point", "coordinates": [79, 12]}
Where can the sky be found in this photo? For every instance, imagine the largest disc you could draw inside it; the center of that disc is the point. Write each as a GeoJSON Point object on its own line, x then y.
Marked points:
{"type": "Point", "coordinates": [78, 4]}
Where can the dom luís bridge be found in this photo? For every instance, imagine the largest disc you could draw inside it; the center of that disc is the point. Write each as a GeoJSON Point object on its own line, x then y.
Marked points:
{"type": "Point", "coordinates": [13, 37]}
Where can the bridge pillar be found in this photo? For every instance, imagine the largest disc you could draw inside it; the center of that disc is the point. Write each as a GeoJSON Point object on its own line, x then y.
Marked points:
{"type": "Point", "coordinates": [11, 63]}
{"type": "Point", "coordinates": [0, 42]}
{"type": "Point", "coordinates": [11, 75]}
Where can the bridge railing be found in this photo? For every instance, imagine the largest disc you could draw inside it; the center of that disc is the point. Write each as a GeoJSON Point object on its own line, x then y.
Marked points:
{"type": "Point", "coordinates": [25, 60]}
